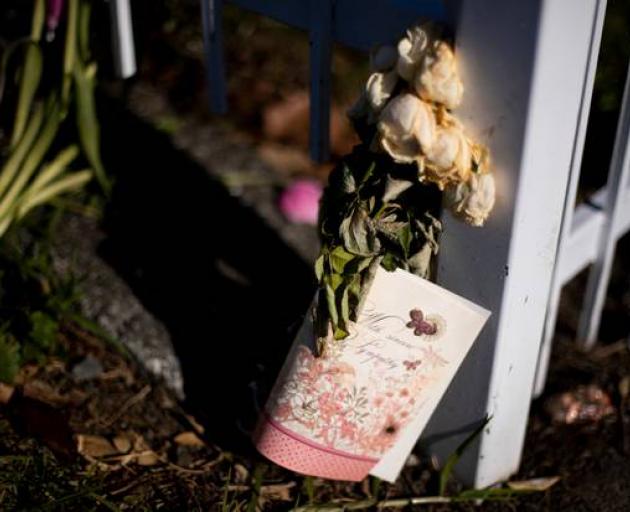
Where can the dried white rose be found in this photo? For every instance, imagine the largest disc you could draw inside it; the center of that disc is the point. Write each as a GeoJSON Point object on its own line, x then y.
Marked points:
{"type": "Point", "coordinates": [406, 128]}
{"type": "Point", "coordinates": [437, 78]}
{"type": "Point", "coordinates": [379, 88]}
{"type": "Point", "coordinates": [449, 158]}
{"type": "Point", "coordinates": [411, 50]}
{"type": "Point", "coordinates": [473, 200]}
{"type": "Point", "coordinates": [383, 58]}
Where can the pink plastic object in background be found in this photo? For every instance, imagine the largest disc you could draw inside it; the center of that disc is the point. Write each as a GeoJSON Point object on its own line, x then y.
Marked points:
{"type": "Point", "coordinates": [52, 16]}
{"type": "Point", "coordinates": [299, 202]}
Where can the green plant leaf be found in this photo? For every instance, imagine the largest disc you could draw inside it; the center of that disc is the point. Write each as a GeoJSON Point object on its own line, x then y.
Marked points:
{"type": "Point", "coordinates": [344, 307]}
{"type": "Point", "coordinates": [359, 234]}
{"type": "Point", "coordinates": [339, 258]}
{"type": "Point", "coordinates": [10, 359]}
{"type": "Point", "coordinates": [69, 182]}
{"type": "Point", "coordinates": [44, 330]}
{"type": "Point", "coordinates": [330, 301]}
{"type": "Point", "coordinates": [29, 82]}
{"type": "Point", "coordinates": [319, 267]}
{"type": "Point", "coordinates": [11, 167]}
{"type": "Point", "coordinates": [83, 31]}
{"type": "Point", "coordinates": [87, 122]}
{"type": "Point", "coordinates": [404, 238]}
{"type": "Point", "coordinates": [454, 457]}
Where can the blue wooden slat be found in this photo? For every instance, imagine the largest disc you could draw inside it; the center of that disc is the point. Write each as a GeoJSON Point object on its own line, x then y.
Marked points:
{"type": "Point", "coordinates": [320, 37]}
{"type": "Point", "coordinates": [212, 23]}
{"type": "Point", "coordinates": [359, 25]}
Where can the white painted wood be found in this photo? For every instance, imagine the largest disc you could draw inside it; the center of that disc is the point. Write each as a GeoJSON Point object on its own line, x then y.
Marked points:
{"type": "Point", "coordinates": [524, 65]}
{"type": "Point", "coordinates": [583, 243]}
{"type": "Point", "coordinates": [212, 27]}
{"type": "Point", "coordinates": [569, 203]}
{"type": "Point", "coordinates": [599, 276]}
{"type": "Point", "coordinates": [122, 38]}
{"type": "Point", "coordinates": [320, 38]}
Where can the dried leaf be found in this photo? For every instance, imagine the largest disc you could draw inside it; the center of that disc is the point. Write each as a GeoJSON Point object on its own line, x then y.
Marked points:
{"type": "Point", "coordinates": [359, 234]}
{"type": "Point", "coordinates": [147, 458]}
{"type": "Point", "coordinates": [278, 492]}
{"type": "Point", "coordinates": [535, 484]}
{"type": "Point", "coordinates": [6, 392]}
{"type": "Point", "coordinates": [95, 446]}
{"type": "Point", "coordinates": [348, 184]}
{"type": "Point", "coordinates": [188, 438]}
{"type": "Point", "coordinates": [123, 443]}
{"type": "Point", "coordinates": [394, 187]}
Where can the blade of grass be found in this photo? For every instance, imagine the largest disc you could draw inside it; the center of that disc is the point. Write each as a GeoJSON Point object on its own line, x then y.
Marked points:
{"type": "Point", "coordinates": [454, 457]}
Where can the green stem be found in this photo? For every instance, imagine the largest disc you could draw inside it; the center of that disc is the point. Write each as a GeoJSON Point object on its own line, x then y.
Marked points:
{"type": "Point", "coordinates": [70, 53]}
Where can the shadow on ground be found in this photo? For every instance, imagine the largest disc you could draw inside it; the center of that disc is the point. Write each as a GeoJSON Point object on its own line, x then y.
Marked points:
{"type": "Point", "coordinates": [228, 289]}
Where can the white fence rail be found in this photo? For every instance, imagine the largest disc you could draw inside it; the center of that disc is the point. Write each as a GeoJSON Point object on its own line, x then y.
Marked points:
{"type": "Point", "coordinates": [529, 70]}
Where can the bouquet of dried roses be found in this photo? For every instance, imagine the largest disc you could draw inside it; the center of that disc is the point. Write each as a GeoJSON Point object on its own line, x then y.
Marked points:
{"type": "Point", "coordinates": [382, 202]}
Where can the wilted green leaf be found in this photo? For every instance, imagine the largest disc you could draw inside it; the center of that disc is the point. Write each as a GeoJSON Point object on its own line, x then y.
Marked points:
{"type": "Point", "coordinates": [404, 238]}
{"type": "Point", "coordinates": [348, 183]}
{"type": "Point", "coordinates": [319, 267]}
{"type": "Point", "coordinates": [339, 258]}
{"type": "Point", "coordinates": [420, 262]}
{"type": "Point", "coordinates": [344, 307]}
{"type": "Point", "coordinates": [9, 359]}
{"type": "Point", "coordinates": [358, 234]}
{"type": "Point", "coordinates": [330, 301]}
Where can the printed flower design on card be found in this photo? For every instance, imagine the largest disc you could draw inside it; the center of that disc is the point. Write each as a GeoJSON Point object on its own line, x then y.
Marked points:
{"type": "Point", "coordinates": [320, 398]}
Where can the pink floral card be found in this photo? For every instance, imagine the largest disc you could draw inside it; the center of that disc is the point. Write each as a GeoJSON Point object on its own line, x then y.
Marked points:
{"type": "Point", "coordinates": [360, 409]}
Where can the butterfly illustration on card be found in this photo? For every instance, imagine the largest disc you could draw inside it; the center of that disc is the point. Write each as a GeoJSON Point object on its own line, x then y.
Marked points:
{"type": "Point", "coordinates": [419, 325]}
{"type": "Point", "coordinates": [412, 365]}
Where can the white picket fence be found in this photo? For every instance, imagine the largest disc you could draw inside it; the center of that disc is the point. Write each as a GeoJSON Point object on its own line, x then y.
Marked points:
{"type": "Point", "coordinates": [529, 69]}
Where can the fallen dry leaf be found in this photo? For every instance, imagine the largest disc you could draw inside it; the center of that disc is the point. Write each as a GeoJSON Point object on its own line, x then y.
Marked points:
{"type": "Point", "coordinates": [95, 446]}
{"type": "Point", "coordinates": [278, 492]}
{"type": "Point", "coordinates": [188, 438]}
{"type": "Point", "coordinates": [6, 392]}
{"type": "Point", "coordinates": [123, 442]}
{"type": "Point", "coordinates": [535, 484]}
{"type": "Point", "coordinates": [147, 458]}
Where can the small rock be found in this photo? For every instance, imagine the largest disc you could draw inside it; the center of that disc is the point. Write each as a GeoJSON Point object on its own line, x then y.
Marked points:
{"type": "Point", "coordinates": [585, 404]}
{"type": "Point", "coordinates": [88, 369]}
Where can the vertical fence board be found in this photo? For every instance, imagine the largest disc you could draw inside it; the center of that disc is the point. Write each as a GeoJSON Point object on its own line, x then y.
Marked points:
{"type": "Point", "coordinates": [320, 38]}
{"type": "Point", "coordinates": [524, 101]}
{"type": "Point", "coordinates": [212, 25]}
{"type": "Point", "coordinates": [590, 316]}
{"type": "Point", "coordinates": [569, 203]}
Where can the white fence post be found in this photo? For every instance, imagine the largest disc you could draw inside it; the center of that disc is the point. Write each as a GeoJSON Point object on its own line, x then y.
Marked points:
{"type": "Point", "coordinates": [122, 38]}
{"type": "Point", "coordinates": [569, 203]}
{"type": "Point", "coordinates": [524, 64]}
{"type": "Point", "coordinates": [616, 192]}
